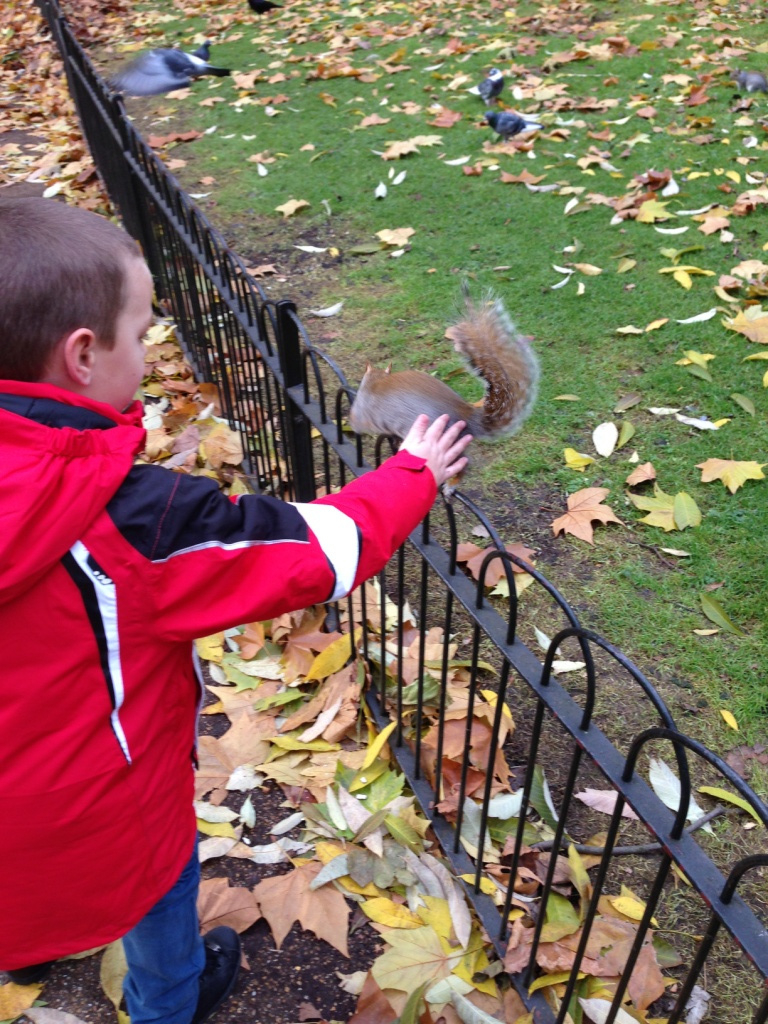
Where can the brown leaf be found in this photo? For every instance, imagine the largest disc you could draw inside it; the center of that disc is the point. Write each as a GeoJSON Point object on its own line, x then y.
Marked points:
{"type": "Point", "coordinates": [495, 571]}
{"type": "Point", "coordinates": [584, 507]}
{"type": "Point", "coordinates": [159, 141]}
{"type": "Point", "coordinates": [374, 119]}
{"type": "Point", "coordinates": [524, 177]}
{"type": "Point", "coordinates": [373, 1007]}
{"type": "Point", "coordinates": [284, 899]}
{"type": "Point", "coordinates": [641, 474]}
{"type": "Point", "coordinates": [446, 118]}
{"type": "Point", "coordinates": [219, 903]}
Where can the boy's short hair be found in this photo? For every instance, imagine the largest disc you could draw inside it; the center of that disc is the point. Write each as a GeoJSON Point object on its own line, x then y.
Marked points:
{"type": "Point", "coordinates": [60, 268]}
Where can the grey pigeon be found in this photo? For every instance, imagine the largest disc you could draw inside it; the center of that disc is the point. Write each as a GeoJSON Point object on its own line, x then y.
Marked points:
{"type": "Point", "coordinates": [163, 70]}
{"type": "Point", "coordinates": [506, 123]}
{"type": "Point", "coordinates": [491, 86]}
{"type": "Point", "coordinates": [750, 81]}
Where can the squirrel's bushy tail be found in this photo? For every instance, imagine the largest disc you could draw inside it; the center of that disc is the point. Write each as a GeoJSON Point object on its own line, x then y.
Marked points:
{"type": "Point", "coordinates": [503, 358]}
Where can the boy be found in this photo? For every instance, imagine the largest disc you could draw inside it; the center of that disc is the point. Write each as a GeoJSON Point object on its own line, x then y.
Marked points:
{"type": "Point", "coordinates": [108, 571]}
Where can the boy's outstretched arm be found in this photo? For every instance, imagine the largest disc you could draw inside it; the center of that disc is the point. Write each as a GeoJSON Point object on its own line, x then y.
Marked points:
{"type": "Point", "coordinates": [210, 563]}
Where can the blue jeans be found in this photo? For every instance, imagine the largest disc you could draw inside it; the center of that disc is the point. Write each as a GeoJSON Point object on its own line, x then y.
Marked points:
{"type": "Point", "coordinates": [166, 956]}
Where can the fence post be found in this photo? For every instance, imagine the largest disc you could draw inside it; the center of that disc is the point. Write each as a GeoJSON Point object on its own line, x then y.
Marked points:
{"type": "Point", "coordinates": [298, 442]}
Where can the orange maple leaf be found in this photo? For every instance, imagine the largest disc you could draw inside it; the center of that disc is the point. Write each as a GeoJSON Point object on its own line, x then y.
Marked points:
{"type": "Point", "coordinates": [287, 898]}
{"type": "Point", "coordinates": [584, 506]}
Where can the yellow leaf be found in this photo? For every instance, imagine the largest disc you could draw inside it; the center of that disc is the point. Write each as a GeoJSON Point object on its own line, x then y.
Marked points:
{"type": "Point", "coordinates": [733, 474]}
{"type": "Point", "coordinates": [397, 237]}
{"type": "Point", "coordinates": [378, 744]}
{"type": "Point", "coordinates": [486, 885]}
{"type": "Point", "coordinates": [491, 697]}
{"type": "Point", "coordinates": [588, 268]}
{"type": "Point", "coordinates": [683, 278]}
{"type": "Point", "coordinates": [546, 980]}
{"type": "Point", "coordinates": [729, 719]}
{"type": "Point", "coordinates": [652, 210]}
{"type": "Point", "coordinates": [335, 656]}
{"type": "Point", "coordinates": [437, 914]}
{"type": "Point", "coordinates": [216, 828]}
{"type": "Point", "coordinates": [112, 970]}
{"type": "Point", "coordinates": [575, 460]}
{"type": "Point", "coordinates": [210, 648]}
{"type": "Point", "coordinates": [629, 329]}
{"type": "Point", "coordinates": [292, 743]}
{"type": "Point", "coordinates": [631, 907]}
{"type": "Point", "coordinates": [566, 398]}
{"type": "Point", "coordinates": [654, 325]}
{"type": "Point", "coordinates": [415, 957]}
{"type": "Point", "coordinates": [731, 798]}
{"type": "Point", "coordinates": [752, 323]}
{"type": "Point", "coordinates": [393, 915]}
{"type": "Point", "coordinates": [292, 207]}
{"type": "Point", "coordinates": [15, 999]}
{"type": "Point", "coordinates": [685, 511]}
{"type": "Point", "coordinates": [692, 356]}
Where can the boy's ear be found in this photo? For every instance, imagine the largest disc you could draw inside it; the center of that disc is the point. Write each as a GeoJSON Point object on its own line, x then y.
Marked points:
{"type": "Point", "coordinates": [77, 353]}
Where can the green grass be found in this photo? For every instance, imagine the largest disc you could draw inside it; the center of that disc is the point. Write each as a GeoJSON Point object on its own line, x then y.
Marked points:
{"type": "Point", "coordinates": [504, 237]}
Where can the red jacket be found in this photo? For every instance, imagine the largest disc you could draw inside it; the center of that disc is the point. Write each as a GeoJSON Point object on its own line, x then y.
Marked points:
{"type": "Point", "coordinates": [108, 571]}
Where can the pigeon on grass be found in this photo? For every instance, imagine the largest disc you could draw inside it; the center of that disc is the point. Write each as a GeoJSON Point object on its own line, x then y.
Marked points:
{"type": "Point", "coordinates": [750, 81]}
{"type": "Point", "coordinates": [491, 86]}
{"type": "Point", "coordinates": [164, 70]}
{"type": "Point", "coordinates": [507, 124]}
{"type": "Point", "coordinates": [262, 6]}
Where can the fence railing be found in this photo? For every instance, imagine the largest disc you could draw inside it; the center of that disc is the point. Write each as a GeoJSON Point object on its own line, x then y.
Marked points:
{"type": "Point", "coordinates": [519, 722]}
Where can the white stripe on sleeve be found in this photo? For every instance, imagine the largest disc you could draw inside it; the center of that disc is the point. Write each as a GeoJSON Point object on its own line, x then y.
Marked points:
{"type": "Point", "coordinates": [337, 535]}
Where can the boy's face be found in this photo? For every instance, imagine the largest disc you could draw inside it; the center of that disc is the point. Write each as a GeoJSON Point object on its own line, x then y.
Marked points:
{"type": "Point", "coordinates": [118, 372]}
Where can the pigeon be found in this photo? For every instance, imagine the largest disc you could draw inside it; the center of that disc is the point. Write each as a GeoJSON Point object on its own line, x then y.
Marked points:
{"type": "Point", "coordinates": [750, 81]}
{"type": "Point", "coordinates": [262, 6]}
{"type": "Point", "coordinates": [491, 86]}
{"type": "Point", "coordinates": [506, 124]}
{"type": "Point", "coordinates": [163, 70]}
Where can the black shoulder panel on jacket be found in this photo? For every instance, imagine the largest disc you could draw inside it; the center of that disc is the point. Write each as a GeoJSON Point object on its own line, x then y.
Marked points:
{"type": "Point", "coordinates": [162, 513]}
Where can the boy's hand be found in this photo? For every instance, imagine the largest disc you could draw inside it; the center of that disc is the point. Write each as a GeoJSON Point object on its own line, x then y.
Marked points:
{"type": "Point", "coordinates": [440, 447]}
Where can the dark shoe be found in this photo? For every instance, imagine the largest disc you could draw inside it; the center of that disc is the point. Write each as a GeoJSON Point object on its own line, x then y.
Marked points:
{"type": "Point", "coordinates": [32, 974]}
{"type": "Point", "coordinates": [222, 962]}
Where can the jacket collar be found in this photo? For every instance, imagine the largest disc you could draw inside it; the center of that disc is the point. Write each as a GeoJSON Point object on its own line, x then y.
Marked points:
{"type": "Point", "coordinates": [56, 407]}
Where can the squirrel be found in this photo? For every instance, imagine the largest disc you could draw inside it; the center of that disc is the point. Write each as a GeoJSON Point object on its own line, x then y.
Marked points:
{"type": "Point", "coordinates": [750, 81]}
{"type": "Point", "coordinates": [388, 403]}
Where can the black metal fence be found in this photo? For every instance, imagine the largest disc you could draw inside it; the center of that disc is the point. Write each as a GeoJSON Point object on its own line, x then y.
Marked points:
{"type": "Point", "coordinates": [550, 737]}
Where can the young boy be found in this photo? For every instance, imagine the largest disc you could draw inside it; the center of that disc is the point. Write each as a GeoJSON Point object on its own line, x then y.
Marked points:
{"type": "Point", "coordinates": [108, 571]}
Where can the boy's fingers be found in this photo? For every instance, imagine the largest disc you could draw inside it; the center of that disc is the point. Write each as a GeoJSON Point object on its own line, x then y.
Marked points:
{"type": "Point", "coordinates": [456, 468]}
{"type": "Point", "coordinates": [437, 429]}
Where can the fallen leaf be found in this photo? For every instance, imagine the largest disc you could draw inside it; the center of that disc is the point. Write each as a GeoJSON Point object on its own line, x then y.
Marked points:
{"type": "Point", "coordinates": [395, 237]}
{"type": "Point", "coordinates": [733, 474]}
{"type": "Point", "coordinates": [287, 898]}
{"type": "Point", "coordinates": [328, 310]}
{"type": "Point", "coordinates": [604, 800]}
{"type": "Point", "coordinates": [729, 719]}
{"type": "Point", "coordinates": [604, 439]}
{"type": "Point", "coordinates": [292, 207]}
{"type": "Point", "coordinates": [641, 474]}
{"type": "Point", "coordinates": [15, 999]}
{"type": "Point", "coordinates": [584, 507]}
{"type": "Point", "coordinates": [716, 613]}
{"type": "Point", "coordinates": [218, 903]}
